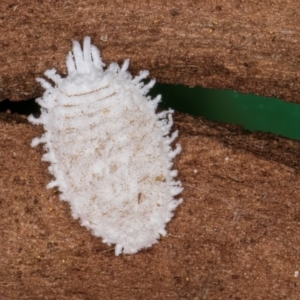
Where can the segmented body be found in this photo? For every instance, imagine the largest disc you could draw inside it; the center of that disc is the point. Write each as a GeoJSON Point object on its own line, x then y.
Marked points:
{"type": "Point", "coordinates": [109, 151]}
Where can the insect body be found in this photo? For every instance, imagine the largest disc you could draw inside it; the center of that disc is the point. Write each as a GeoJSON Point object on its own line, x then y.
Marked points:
{"type": "Point", "coordinates": [109, 151]}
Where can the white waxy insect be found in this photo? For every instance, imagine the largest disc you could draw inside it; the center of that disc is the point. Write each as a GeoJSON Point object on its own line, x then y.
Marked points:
{"type": "Point", "coordinates": [109, 151]}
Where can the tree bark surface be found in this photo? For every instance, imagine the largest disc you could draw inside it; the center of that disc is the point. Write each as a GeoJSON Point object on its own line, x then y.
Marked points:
{"type": "Point", "coordinates": [249, 46]}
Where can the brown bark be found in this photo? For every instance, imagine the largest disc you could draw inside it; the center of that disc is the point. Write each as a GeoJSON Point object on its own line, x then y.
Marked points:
{"type": "Point", "coordinates": [250, 46]}
{"type": "Point", "coordinates": [235, 236]}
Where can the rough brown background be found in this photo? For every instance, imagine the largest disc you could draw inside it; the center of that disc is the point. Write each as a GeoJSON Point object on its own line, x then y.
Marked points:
{"type": "Point", "coordinates": [236, 235]}
{"type": "Point", "coordinates": [250, 46]}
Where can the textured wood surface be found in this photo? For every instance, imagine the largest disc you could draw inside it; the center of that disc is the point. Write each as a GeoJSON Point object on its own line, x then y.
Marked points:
{"type": "Point", "coordinates": [250, 46]}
